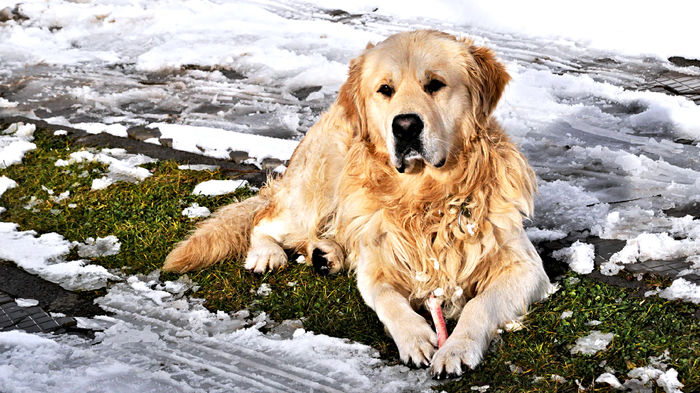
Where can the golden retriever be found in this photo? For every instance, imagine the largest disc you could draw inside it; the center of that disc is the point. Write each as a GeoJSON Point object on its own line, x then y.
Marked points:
{"type": "Point", "coordinates": [408, 181]}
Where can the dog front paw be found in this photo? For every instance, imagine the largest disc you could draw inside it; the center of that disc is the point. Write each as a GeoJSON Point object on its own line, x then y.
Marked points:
{"type": "Point", "coordinates": [415, 340]}
{"type": "Point", "coordinates": [455, 354]}
{"type": "Point", "coordinates": [327, 257]}
{"type": "Point", "coordinates": [267, 255]}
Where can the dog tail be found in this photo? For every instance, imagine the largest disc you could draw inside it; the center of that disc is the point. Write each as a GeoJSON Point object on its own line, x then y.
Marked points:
{"type": "Point", "coordinates": [226, 234]}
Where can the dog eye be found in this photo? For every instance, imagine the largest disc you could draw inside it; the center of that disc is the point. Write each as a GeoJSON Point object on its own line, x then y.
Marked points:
{"type": "Point", "coordinates": [433, 86]}
{"type": "Point", "coordinates": [386, 90]}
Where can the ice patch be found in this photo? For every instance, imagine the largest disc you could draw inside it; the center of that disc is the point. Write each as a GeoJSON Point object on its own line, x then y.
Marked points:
{"type": "Point", "coordinates": [537, 235]}
{"type": "Point", "coordinates": [122, 166]}
{"type": "Point", "coordinates": [218, 187]}
{"type": "Point", "coordinates": [591, 344]}
{"type": "Point", "coordinates": [100, 247]}
{"type": "Point", "coordinates": [196, 211]}
{"type": "Point", "coordinates": [579, 257]}
{"type": "Point", "coordinates": [45, 256]}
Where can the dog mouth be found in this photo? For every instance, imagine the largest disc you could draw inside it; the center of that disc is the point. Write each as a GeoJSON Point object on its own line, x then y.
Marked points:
{"type": "Point", "coordinates": [409, 160]}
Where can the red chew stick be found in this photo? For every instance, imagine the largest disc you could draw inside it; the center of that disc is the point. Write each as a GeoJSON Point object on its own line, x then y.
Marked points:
{"type": "Point", "coordinates": [438, 319]}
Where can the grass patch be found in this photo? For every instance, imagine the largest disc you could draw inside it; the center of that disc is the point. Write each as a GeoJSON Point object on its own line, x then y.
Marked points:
{"type": "Point", "coordinates": [147, 219]}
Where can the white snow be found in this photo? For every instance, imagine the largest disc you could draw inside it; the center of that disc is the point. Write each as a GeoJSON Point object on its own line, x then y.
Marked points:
{"type": "Point", "coordinates": [683, 290]}
{"type": "Point", "coordinates": [15, 142]}
{"type": "Point", "coordinates": [196, 211]}
{"type": "Point", "coordinates": [566, 314]}
{"type": "Point", "coordinates": [7, 104]}
{"type": "Point", "coordinates": [122, 166]}
{"type": "Point", "coordinates": [22, 302]}
{"type": "Point", "coordinates": [219, 143]}
{"type": "Point", "coordinates": [218, 187]}
{"type": "Point", "coordinates": [656, 246]}
{"type": "Point", "coordinates": [579, 257]}
{"type": "Point", "coordinates": [100, 247]}
{"type": "Point", "coordinates": [45, 256]}
{"type": "Point", "coordinates": [594, 342]}
{"type": "Point", "coordinates": [198, 167]}
{"type": "Point", "coordinates": [6, 183]}
{"type": "Point", "coordinates": [158, 340]}
{"type": "Point", "coordinates": [610, 379]}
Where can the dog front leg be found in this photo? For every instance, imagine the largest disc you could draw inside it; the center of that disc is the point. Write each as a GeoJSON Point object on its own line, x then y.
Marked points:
{"type": "Point", "coordinates": [505, 299]}
{"type": "Point", "coordinates": [412, 334]}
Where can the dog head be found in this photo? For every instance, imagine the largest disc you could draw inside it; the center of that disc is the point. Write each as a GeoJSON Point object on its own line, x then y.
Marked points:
{"type": "Point", "coordinates": [420, 95]}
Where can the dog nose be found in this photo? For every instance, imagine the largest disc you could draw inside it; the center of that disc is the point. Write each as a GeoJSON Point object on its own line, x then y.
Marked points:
{"type": "Point", "coordinates": [407, 127]}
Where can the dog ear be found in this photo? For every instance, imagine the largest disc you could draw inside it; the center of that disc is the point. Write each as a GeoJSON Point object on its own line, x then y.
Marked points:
{"type": "Point", "coordinates": [490, 77]}
{"type": "Point", "coordinates": [370, 45]}
{"type": "Point", "coordinates": [350, 98]}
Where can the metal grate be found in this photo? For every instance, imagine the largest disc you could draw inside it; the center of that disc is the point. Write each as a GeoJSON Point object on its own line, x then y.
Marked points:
{"type": "Point", "coordinates": [30, 319]}
{"type": "Point", "coordinates": [677, 84]}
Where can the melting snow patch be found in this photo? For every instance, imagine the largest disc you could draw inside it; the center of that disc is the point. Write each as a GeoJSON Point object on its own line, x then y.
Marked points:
{"type": "Point", "coordinates": [682, 289]}
{"type": "Point", "coordinates": [26, 302]}
{"type": "Point", "coordinates": [198, 167]}
{"type": "Point", "coordinates": [196, 211]}
{"type": "Point", "coordinates": [15, 142]}
{"type": "Point", "coordinates": [45, 256]}
{"type": "Point", "coordinates": [7, 104]}
{"type": "Point", "coordinates": [264, 289]}
{"type": "Point", "coordinates": [566, 314]}
{"type": "Point", "coordinates": [100, 247]}
{"type": "Point", "coordinates": [610, 379]}
{"type": "Point", "coordinates": [6, 183]}
{"type": "Point", "coordinates": [646, 246]}
{"type": "Point", "coordinates": [592, 343]}
{"type": "Point", "coordinates": [122, 166]}
{"type": "Point", "coordinates": [218, 187]}
{"type": "Point", "coordinates": [158, 340]}
{"type": "Point", "coordinates": [219, 143]}
{"type": "Point", "coordinates": [579, 257]}
{"type": "Point", "coordinates": [538, 235]}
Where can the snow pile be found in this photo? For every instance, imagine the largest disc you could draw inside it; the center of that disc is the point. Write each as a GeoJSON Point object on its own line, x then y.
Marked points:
{"type": "Point", "coordinates": [122, 166]}
{"type": "Point", "coordinates": [217, 143]}
{"type": "Point", "coordinates": [15, 142]}
{"type": "Point", "coordinates": [681, 289]}
{"type": "Point", "coordinates": [218, 187]}
{"type": "Point", "coordinates": [579, 257]}
{"type": "Point", "coordinates": [196, 211]}
{"type": "Point", "coordinates": [45, 256]}
{"type": "Point", "coordinates": [647, 246]}
{"type": "Point", "coordinates": [592, 343]}
{"type": "Point", "coordinates": [100, 247]}
{"type": "Point", "coordinates": [156, 339]}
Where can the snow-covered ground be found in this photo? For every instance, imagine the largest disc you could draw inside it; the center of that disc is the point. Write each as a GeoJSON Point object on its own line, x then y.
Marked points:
{"type": "Point", "coordinates": [216, 77]}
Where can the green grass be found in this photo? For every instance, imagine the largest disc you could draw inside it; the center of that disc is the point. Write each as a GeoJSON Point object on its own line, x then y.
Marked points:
{"type": "Point", "coordinates": [147, 219]}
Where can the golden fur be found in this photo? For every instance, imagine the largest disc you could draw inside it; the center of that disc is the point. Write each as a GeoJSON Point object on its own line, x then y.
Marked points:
{"type": "Point", "coordinates": [452, 221]}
